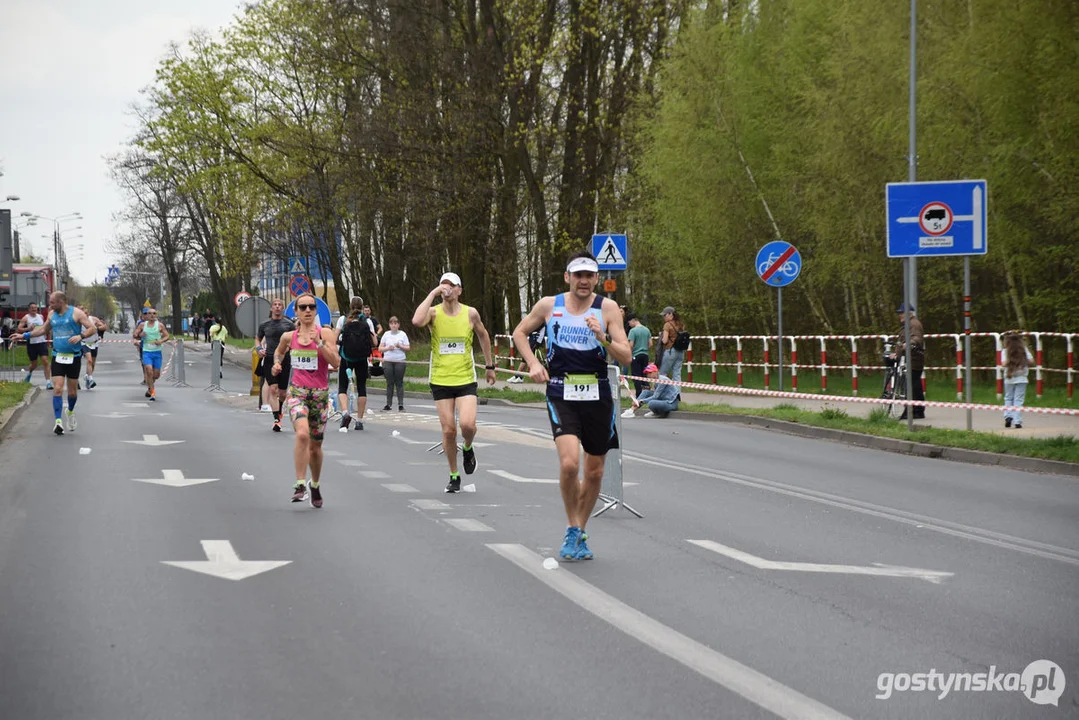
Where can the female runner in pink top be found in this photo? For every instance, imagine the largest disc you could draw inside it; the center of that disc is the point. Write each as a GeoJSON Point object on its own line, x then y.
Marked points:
{"type": "Point", "coordinates": [313, 349]}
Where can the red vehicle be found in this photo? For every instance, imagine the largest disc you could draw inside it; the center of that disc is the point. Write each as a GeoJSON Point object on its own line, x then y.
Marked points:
{"type": "Point", "coordinates": [31, 282]}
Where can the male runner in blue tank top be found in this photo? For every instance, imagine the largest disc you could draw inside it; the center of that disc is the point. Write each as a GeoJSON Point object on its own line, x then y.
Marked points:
{"type": "Point", "coordinates": [582, 328]}
{"type": "Point", "coordinates": [69, 326]}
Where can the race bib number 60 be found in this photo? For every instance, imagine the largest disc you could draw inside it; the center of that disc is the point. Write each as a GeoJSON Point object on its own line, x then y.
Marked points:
{"type": "Point", "coordinates": [451, 346]}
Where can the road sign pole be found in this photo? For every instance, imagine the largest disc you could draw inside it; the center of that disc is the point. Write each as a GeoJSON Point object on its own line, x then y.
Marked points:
{"type": "Point", "coordinates": [966, 333]}
{"type": "Point", "coordinates": [779, 293]}
{"type": "Point", "coordinates": [912, 161]}
{"type": "Point", "coordinates": [909, 409]}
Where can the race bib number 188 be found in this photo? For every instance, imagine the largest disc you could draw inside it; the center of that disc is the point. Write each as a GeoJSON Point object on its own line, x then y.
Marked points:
{"type": "Point", "coordinates": [305, 360]}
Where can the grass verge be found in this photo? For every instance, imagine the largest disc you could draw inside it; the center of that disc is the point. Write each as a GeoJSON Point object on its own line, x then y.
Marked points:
{"type": "Point", "coordinates": [11, 394]}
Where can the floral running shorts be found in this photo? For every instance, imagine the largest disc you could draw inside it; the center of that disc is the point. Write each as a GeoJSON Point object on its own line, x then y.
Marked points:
{"type": "Point", "coordinates": [310, 404]}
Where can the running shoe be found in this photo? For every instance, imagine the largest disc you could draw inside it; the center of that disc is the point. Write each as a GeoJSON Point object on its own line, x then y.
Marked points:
{"type": "Point", "coordinates": [385, 408]}
{"type": "Point", "coordinates": [469, 459]}
{"type": "Point", "coordinates": [277, 426]}
{"type": "Point", "coordinates": [153, 396]}
{"type": "Point", "coordinates": [58, 429]}
{"type": "Point", "coordinates": [93, 383]}
{"type": "Point", "coordinates": [299, 492]}
{"type": "Point", "coordinates": [583, 553]}
{"type": "Point", "coordinates": [148, 393]}
{"type": "Point", "coordinates": [316, 496]}
{"type": "Point", "coordinates": [28, 376]}
{"type": "Point", "coordinates": [454, 484]}
{"type": "Point", "coordinates": [72, 422]}
{"type": "Point", "coordinates": [569, 544]}
{"type": "Point", "coordinates": [359, 424]}
{"type": "Point", "coordinates": [400, 408]}
{"type": "Point", "coordinates": [86, 381]}
{"type": "Point", "coordinates": [346, 420]}
{"type": "Point", "coordinates": [48, 384]}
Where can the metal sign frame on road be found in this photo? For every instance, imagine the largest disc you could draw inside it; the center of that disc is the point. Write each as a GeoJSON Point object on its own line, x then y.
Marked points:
{"type": "Point", "coordinates": [937, 219]}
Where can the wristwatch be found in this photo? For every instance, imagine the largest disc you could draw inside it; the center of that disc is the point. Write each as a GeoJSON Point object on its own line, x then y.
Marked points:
{"type": "Point", "coordinates": [490, 367]}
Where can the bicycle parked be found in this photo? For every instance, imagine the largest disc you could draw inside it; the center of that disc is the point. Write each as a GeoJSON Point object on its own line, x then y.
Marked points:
{"type": "Point", "coordinates": [895, 381]}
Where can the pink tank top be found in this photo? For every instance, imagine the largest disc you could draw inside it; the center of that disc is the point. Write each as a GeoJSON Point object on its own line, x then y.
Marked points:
{"type": "Point", "coordinates": [309, 369]}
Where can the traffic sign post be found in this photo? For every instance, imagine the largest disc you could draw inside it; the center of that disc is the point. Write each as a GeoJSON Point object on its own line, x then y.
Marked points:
{"type": "Point", "coordinates": [240, 297]}
{"type": "Point", "coordinates": [946, 218]}
{"type": "Point", "coordinates": [778, 264]}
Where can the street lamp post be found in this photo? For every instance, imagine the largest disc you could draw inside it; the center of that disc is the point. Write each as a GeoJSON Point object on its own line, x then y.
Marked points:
{"type": "Point", "coordinates": [59, 259]}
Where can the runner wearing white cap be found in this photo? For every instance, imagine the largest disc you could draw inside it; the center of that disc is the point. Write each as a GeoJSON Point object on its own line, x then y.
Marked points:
{"type": "Point", "coordinates": [582, 328]}
{"type": "Point", "coordinates": [453, 370]}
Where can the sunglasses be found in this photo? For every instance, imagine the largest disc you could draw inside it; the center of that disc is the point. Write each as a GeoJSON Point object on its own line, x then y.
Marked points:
{"type": "Point", "coordinates": [306, 307]}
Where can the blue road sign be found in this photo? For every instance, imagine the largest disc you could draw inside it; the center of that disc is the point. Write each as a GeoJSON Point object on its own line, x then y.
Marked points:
{"type": "Point", "coordinates": [297, 266]}
{"type": "Point", "coordinates": [937, 218]}
{"type": "Point", "coordinates": [778, 263]}
{"type": "Point", "coordinates": [612, 251]}
{"type": "Point", "coordinates": [299, 284]}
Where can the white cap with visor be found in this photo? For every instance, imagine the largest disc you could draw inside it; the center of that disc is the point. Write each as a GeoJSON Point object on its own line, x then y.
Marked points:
{"type": "Point", "coordinates": [582, 264]}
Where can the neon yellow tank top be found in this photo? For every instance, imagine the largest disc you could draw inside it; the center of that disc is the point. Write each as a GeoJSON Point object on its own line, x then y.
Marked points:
{"type": "Point", "coordinates": [451, 349]}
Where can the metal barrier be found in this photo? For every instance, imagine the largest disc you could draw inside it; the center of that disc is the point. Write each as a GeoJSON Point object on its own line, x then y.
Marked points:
{"type": "Point", "coordinates": [612, 492]}
{"type": "Point", "coordinates": [179, 368]}
{"type": "Point", "coordinates": [216, 349]}
{"type": "Point", "coordinates": [11, 370]}
{"type": "Point", "coordinates": [832, 345]}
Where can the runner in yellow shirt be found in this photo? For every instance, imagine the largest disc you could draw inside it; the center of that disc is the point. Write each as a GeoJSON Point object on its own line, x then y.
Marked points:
{"type": "Point", "coordinates": [454, 326]}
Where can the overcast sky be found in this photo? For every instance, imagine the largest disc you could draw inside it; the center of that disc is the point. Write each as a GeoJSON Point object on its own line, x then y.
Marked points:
{"type": "Point", "coordinates": [69, 73]}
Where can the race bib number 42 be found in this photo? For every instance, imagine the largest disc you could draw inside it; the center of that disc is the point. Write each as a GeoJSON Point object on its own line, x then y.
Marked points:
{"type": "Point", "coordinates": [305, 359]}
{"type": "Point", "coordinates": [451, 346]}
{"type": "Point", "coordinates": [581, 387]}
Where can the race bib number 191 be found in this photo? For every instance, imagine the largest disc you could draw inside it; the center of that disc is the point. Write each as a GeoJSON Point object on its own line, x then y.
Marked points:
{"type": "Point", "coordinates": [581, 387]}
{"type": "Point", "coordinates": [451, 346]}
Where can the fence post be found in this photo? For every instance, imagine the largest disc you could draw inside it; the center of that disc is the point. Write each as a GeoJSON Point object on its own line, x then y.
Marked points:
{"type": "Point", "coordinates": [1038, 363]}
{"type": "Point", "coordinates": [712, 340]}
{"type": "Point", "coordinates": [794, 363]}
{"type": "Point", "coordinates": [823, 366]}
{"type": "Point", "coordinates": [689, 360]}
{"type": "Point", "coordinates": [853, 365]}
{"type": "Point", "coordinates": [958, 367]}
{"type": "Point", "coordinates": [767, 374]}
{"type": "Point", "coordinates": [738, 363]}
{"type": "Point", "coordinates": [999, 362]}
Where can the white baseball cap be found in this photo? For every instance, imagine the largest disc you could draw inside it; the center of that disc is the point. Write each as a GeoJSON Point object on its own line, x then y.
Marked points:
{"type": "Point", "coordinates": [452, 277]}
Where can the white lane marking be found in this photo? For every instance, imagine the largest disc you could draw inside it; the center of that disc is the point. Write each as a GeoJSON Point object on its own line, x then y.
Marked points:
{"type": "Point", "coordinates": [468, 525]}
{"type": "Point", "coordinates": [175, 478]}
{"type": "Point", "coordinates": [754, 686]}
{"type": "Point", "coordinates": [223, 562]}
{"type": "Point", "coordinates": [425, 504]}
{"type": "Point", "coordinates": [399, 488]}
{"type": "Point", "coordinates": [103, 362]}
{"type": "Point", "coordinates": [137, 404]}
{"type": "Point", "coordinates": [934, 576]}
{"type": "Point", "coordinates": [945, 527]}
{"type": "Point", "coordinates": [374, 474]}
{"type": "Point", "coordinates": [333, 453]}
{"type": "Point", "coordinates": [519, 479]}
{"type": "Point", "coordinates": [114, 416]}
{"type": "Point", "coordinates": [353, 463]}
{"type": "Point", "coordinates": [153, 441]}
{"type": "Point", "coordinates": [407, 441]}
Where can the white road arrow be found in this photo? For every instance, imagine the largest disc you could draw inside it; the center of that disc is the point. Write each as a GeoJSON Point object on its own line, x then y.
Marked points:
{"type": "Point", "coordinates": [175, 478]}
{"type": "Point", "coordinates": [153, 441]}
{"type": "Point", "coordinates": [933, 576]}
{"type": "Point", "coordinates": [114, 415]}
{"type": "Point", "coordinates": [137, 404]}
{"type": "Point", "coordinates": [223, 562]}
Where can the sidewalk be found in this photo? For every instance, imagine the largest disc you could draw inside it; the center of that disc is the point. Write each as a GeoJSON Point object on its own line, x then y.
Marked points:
{"type": "Point", "coordinates": [1035, 425]}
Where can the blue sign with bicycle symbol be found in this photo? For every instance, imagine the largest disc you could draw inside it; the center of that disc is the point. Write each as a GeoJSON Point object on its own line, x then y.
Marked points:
{"type": "Point", "coordinates": [778, 263]}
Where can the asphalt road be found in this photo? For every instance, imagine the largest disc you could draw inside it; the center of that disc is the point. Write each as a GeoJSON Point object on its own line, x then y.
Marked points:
{"type": "Point", "coordinates": [771, 576]}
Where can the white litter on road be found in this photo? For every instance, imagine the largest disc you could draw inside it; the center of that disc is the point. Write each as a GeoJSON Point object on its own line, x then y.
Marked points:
{"type": "Point", "coordinates": [247, 476]}
{"type": "Point", "coordinates": [84, 451]}
{"type": "Point", "coordinates": [469, 488]}
{"type": "Point", "coordinates": [550, 564]}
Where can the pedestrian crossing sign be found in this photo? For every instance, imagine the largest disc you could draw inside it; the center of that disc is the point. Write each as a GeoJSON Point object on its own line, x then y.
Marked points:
{"type": "Point", "coordinates": [611, 251]}
{"type": "Point", "coordinates": [297, 266]}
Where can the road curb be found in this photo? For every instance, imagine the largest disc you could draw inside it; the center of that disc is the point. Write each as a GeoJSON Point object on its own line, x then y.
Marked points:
{"type": "Point", "coordinates": [904, 447]}
{"type": "Point", "coordinates": [9, 416]}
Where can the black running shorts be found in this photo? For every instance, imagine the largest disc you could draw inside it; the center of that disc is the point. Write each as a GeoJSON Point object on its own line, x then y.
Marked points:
{"type": "Point", "coordinates": [590, 420]}
{"type": "Point", "coordinates": [67, 370]}
{"type": "Point", "coordinates": [451, 392]}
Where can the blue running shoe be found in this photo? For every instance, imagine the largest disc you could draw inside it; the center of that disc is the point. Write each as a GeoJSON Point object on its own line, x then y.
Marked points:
{"type": "Point", "coordinates": [583, 553]}
{"type": "Point", "coordinates": [570, 544]}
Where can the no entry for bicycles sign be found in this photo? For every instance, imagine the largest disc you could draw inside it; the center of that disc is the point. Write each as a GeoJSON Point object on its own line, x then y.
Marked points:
{"type": "Point", "coordinates": [778, 263]}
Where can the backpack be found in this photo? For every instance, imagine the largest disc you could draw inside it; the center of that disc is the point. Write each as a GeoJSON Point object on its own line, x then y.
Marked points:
{"type": "Point", "coordinates": [681, 341]}
{"type": "Point", "coordinates": [356, 339]}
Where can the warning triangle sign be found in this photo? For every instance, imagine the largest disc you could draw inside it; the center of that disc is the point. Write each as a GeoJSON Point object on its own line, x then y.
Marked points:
{"type": "Point", "coordinates": [609, 254]}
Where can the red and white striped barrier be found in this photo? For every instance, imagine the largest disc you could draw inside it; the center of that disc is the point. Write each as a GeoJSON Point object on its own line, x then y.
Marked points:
{"type": "Point", "coordinates": [830, 342]}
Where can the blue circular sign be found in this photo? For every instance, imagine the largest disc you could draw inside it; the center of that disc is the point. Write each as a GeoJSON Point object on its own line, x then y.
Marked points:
{"type": "Point", "coordinates": [778, 263]}
{"type": "Point", "coordinates": [323, 312]}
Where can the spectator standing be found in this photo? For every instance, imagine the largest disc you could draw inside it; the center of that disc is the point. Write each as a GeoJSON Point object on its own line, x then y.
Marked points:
{"type": "Point", "coordinates": [207, 321]}
{"type": "Point", "coordinates": [393, 347]}
{"type": "Point", "coordinates": [1017, 360]}
{"type": "Point", "coordinates": [196, 326]}
{"type": "Point", "coordinates": [220, 333]}
{"type": "Point", "coordinates": [640, 340]}
{"type": "Point", "coordinates": [670, 364]}
{"type": "Point", "coordinates": [374, 321]}
{"type": "Point", "coordinates": [917, 357]}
